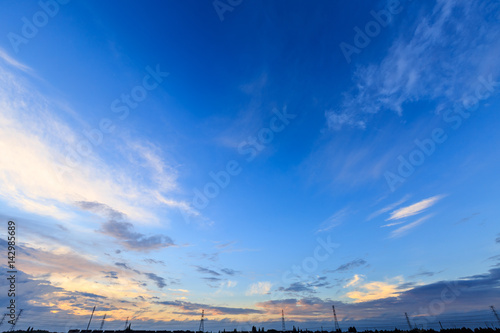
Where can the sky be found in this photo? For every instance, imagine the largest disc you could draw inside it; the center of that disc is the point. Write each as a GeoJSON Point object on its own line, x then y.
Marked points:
{"type": "Point", "coordinates": [240, 157]}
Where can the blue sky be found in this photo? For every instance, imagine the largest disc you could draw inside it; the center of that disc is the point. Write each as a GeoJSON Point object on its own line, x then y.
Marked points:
{"type": "Point", "coordinates": [242, 157]}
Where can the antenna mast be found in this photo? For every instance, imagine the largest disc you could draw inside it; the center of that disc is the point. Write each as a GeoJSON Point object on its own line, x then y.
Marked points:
{"type": "Point", "coordinates": [283, 321]}
{"type": "Point", "coordinates": [15, 321]}
{"type": "Point", "coordinates": [202, 322]}
{"type": "Point", "coordinates": [3, 318]}
{"type": "Point", "coordinates": [91, 318]}
{"type": "Point", "coordinates": [102, 322]}
{"type": "Point", "coordinates": [495, 313]}
{"type": "Point", "coordinates": [337, 327]}
{"type": "Point", "coordinates": [408, 321]}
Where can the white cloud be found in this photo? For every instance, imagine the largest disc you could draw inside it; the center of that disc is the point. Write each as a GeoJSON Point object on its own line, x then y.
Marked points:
{"type": "Point", "coordinates": [377, 290]}
{"type": "Point", "coordinates": [41, 173]}
{"type": "Point", "coordinates": [414, 209]}
{"type": "Point", "coordinates": [388, 208]}
{"type": "Point", "coordinates": [404, 229]}
{"type": "Point", "coordinates": [392, 224]}
{"type": "Point", "coordinates": [259, 288]}
{"type": "Point", "coordinates": [13, 62]}
{"type": "Point", "coordinates": [333, 221]}
{"type": "Point", "coordinates": [437, 56]}
{"type": "Point", "coordinates": [358, 278]}
{"type": "Point", "coordinates": [230, 284]}
{"type": "Point", "coordinates": [336, 120]}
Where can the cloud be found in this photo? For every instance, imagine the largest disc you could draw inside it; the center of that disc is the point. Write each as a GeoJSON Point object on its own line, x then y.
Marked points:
{"type": "Point", "coordinates": [404, 229]}
{"type": "Point", "coordinates": [392, 224]}
{"type": "Point", "coordinates": [111, 275]}
{"type": "Point", "coordinates": [209, 309]}
{"type": "Point", "coordinates": [310, 286]}
{"type": "Point", "coordinates": [61, 260]}
{"type": "Point", "coordinates": [13, 62]}
{"type": "Point", "coordinates": [380, 302]}
{"type": "Point", "coordinates": [355, 280]}
{"type": "Point", "coordinates": [388, 208]}
{"type": "Point", "coordinates": [90, 295]}
{"type": "Point", "coordinates": [373, 291]}
{"type": "Point", "coordinates": [350, 265]}
{"type": "Point", "coordinates": [414, 209]}
{"type": "Point", "coordinates": [205, 270]}
{"type": "Point", "coordinates": [153, 261]}
{"type": "Point", "coordinates": [213, 279]}
{"type": "Point", "coordinates": [123, 231]}
{"type": "Point", "coordinates": [333, 221]}
{"type": "Point", "coordinates": [224, 245]}
{"type": "Point", "coordinates": [435, 57]}
{"type": "Point", "coordinates": [216, 279]}
{"type": "Point", "coordinates": [158, 280]}
{"type": "Point", "coordinates": [336, 120]}
{"type": "Point", "coordinates": [298, 287]}
{"type": "Point", "coordinates": [467, 218]}
{"type": "Point", "coordinates": [229, 271]}
{"type": "Point", "coordinates": [123, 265]}
{"type": "Point", "coordinates": [497, 240]}
{"type": "Point", "coordinates": [259, 288]}
{"type": "Point", "coordinates": [427, 273]}
{"type": "Point", "coordinates": [45, 170]}
{"type": "Point", "coordinates": [230, 284]}
{"type": "Point", "coordinates": [100, 208]}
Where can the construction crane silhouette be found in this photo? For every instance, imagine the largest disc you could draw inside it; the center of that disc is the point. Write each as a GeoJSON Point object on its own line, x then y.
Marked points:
{"type": "Point", "coordinates": [202, 322]}
{"type": "Point", "coordinates": [91, 315]}
{"type": "Point", "coordinates": [15, 321]}
{"type": "Point", "coordinates": [283, 321]}
{"type": "Point", "coordinates": [408, 321]}
{"type": "Point", "coordinates": [102, 322]}
{"type": "Point", "coordinates": [3, 318]}
{"type": "Point", "coordinates": [495, 313]}
{"type": "Point", "coordinates": [337, 327]}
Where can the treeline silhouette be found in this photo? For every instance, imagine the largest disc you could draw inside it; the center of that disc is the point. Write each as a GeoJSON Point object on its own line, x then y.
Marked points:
{"type": "Point", "coordinates": [294, 330]}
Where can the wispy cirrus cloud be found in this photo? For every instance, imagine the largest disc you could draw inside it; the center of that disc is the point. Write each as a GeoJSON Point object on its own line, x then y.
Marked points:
{"type": "Point", "coordinates": [13, 62]}
{"type": "Point", "coordinates": [414, 209]}
{"type": "Point", "coordinates": [195, 308]}
{"type": "Point", "coordinates": [406, 228]}
{"type": "Point", "coordinates": [392, 224]}
{"type": "Point", "coordinates": [333, 221]}
{"type": "Point", "coordinates": [388, 208]}
{"type": "Point", "coordinates": [416, 66]}
{"type": "Point", "coordinates": [45, 170]}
